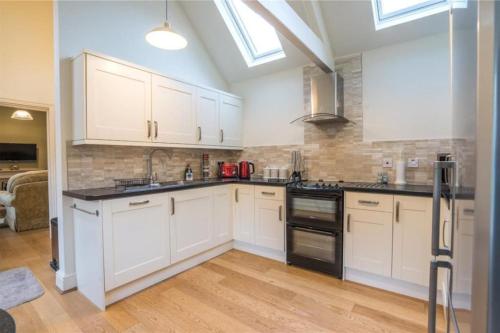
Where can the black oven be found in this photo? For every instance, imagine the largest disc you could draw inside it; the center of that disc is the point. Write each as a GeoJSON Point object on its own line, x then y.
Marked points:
{"type": "Point", "coordinates": [314, 227]}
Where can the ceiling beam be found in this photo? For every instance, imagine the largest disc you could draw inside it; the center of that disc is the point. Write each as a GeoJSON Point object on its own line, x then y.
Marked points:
{"type": "Point", "coordinates": [284, 19]}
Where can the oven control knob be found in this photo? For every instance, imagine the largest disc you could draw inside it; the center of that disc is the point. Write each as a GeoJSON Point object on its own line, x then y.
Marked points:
{"type": "Point", "coordinates": [329, 185]}
{"type": "Point", "coordinates": [317, 185]}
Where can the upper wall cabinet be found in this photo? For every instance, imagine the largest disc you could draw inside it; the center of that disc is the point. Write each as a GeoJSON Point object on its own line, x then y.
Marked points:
{"type": "Point", "coordinates": [117, 103]}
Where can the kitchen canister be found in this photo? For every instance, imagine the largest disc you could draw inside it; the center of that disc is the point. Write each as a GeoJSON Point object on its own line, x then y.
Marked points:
{"type": "Point", "coordinates": [283, 173]}
{"type": "Point", "coordinates": [267, 172]}
{"type": "Point", "coordinates": [274, 172]}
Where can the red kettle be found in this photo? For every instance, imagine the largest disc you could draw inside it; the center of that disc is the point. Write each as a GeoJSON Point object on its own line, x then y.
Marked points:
{"type": "Point", "coordinates": [246, 169]}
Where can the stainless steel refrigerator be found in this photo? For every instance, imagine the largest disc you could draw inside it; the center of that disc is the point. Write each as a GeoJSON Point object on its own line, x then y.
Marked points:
{"type": "Point", "coordinates": [475, 164]}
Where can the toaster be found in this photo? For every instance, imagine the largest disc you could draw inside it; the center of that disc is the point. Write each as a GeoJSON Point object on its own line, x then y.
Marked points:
{"type": "Point", "coordinates": [228, 170]}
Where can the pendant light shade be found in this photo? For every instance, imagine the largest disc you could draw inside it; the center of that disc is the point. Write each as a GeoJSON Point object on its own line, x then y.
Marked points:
{"type": "Point", "coordinates": [164, 38]}
{"type": "Point", "coordinates": [21, 115]}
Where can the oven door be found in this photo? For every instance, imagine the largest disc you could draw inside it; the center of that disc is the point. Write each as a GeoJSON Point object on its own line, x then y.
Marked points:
{"type": "Point", "coordinates": [315, 249]}
{"type": "Point", "coordinates": [315, 210]}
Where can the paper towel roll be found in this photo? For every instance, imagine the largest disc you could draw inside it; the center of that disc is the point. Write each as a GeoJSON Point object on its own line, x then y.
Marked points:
{"type": "Point", "coordinates": [400, 173]}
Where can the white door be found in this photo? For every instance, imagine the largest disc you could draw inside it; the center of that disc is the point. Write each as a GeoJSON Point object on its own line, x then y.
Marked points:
{"type": "Point", "coordinates": [223, 214]}
{"type": "Point", "coordinates": [118, 101]}
{"type": "Point", "coordinates": [270, 224]}
{"type": "Point", "coordinates": [244, 210]}
{"type": "Point", "coordinates": [191, 223]}
{"type": "Point", "coordinates": [136, 238]}
{"type": "Point", "coordinates": [464, 246]}
{"type": "Point", "coordinates": [231, 120]}
{"type": "Point", "coordinates": [173, 111]}
{"type": "Point", "coordinates": [368, 241]}
{"type": "Point", "coordinates": [207, 117]}
{"type": "Point", "coordinates": [412, 239]}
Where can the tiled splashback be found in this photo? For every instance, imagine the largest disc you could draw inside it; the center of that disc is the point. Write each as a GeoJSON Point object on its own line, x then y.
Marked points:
{"type": "Point", "coordinates": [331, 151]}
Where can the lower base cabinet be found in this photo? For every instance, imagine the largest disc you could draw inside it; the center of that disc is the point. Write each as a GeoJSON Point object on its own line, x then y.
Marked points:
{"type": "Point", "coordinates": [269, 224]}
{"type": "Point", "coordinates": [136, 238]}
{"type": "Point", "coordinates": [222, 214]}
{"type": "Point", "coordinates": [244, 213]}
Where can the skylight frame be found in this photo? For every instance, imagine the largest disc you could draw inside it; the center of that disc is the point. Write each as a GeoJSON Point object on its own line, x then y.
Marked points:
{"type": "Point", "coordinates": [415, 12]}
{"type": "Point", "coordinates": [243, 39]}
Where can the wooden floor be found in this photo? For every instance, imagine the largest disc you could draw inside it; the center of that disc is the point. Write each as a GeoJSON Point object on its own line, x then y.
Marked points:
{"type": "Point", "coordinates": [236, 292]}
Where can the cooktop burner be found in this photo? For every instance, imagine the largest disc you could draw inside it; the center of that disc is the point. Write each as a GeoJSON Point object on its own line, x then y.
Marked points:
{"type": "Point", "coordinates": [316, 185]}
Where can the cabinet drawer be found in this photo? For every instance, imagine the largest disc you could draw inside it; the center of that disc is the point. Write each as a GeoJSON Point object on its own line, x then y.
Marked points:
{"type": "Point", "coordinates": [369, 201]}
{"type": "Point", "coordinates": [269, 192]}
{"type": "Point", "coordinates": [140, 201]}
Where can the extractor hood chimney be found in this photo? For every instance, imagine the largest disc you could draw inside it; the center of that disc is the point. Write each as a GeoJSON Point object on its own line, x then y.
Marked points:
{"type": "Point", "coordinates": [327, 99]}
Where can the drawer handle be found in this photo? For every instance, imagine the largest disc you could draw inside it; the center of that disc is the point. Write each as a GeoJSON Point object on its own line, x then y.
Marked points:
{"type": "Point", "coordinates": [138, 203]}
{"type": "Point", "coordinates": [397, 211]}
{"type": "Point", "coordinates": [268, 193]}
{"type": "Point", "coordinates": [469, 211]}
{"type": "Point", "coordinates": [348, 222]}
{"type": "Point", "coordinates": [172, 206]}
{"type": "Point", "coordinates": [96, 213]}
{"type": "Point", "coordinates": [280, 214]}
{"type": "Point", "coordinates": [236, 195]}
{"type": "Point", "coordinates": [368, 202]}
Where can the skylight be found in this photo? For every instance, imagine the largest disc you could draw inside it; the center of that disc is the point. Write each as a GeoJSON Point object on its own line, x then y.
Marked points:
{"type": "Point", "coordinates": [388, 13]}
{"type": "Point", "coordinates": [256, 39]}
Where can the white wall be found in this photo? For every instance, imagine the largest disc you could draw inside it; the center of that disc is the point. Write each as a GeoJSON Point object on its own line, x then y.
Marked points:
{"type": "Point", "coordinates": [270, 103]}
{"type": "Point", "coordinates": [26, 52]}
{"type": "Point", "coordinates": [406, 92]}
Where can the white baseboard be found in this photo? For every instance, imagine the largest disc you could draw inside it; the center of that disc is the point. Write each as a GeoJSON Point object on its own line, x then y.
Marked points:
{"type": "Point", "coordinates": [260, 251]}
{"type": "Point", "coordinates": [135, 286]}
{"type": "Point", "coordinates": [65, 282]}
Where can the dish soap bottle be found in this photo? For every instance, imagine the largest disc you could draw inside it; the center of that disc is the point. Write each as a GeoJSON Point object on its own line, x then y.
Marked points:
{"type": "Point", "coordinates": [188, 174]}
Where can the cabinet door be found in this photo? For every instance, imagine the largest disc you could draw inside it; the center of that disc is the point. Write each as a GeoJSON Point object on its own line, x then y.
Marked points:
{"type": "Point", "coordinates": [412, 239]}
{"type": "Point", "coordinates": [118, 101]}
{"type": "Point", "coordinates": [231, 118]}
{"type": "Point", "coordinates": [191, 224]}
{"type": "Point", "coordinates": [223, 214]}
{"type": "Point", "coordinates": [207, 117]}
{"type": "Point", "coordinates": [269, 224]}
{"type": "Point", "coordinates": [136, 238]}
{"type": "Point", "coordinates": [368, 241]}
{"type": "Point", "coordinates": [244, 210]}
{"type": "Point", "coordinates": [173, 111]}
{"type": "Point", "coordinates": [464, 246]}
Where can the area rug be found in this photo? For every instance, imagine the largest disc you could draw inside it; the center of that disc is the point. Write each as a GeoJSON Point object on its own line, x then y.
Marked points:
{"type": "Point", "coordinates": [18, 286]}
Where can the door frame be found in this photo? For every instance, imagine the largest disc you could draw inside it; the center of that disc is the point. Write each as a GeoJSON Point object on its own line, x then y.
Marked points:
{"type": "Point", "coordinates": [51, 143]}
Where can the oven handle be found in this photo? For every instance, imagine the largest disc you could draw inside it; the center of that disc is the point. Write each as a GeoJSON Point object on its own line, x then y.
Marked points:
{"type": "Point", "coordinates": [314, 231]}
{"type": "Point", "coordinates": [330, 196]}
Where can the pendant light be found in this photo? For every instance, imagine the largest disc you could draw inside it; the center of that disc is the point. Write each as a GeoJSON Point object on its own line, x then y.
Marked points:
{"type": "Point", "coordinates": [21, 115]}
{"type": "Point", "coordinates": [164, 38]}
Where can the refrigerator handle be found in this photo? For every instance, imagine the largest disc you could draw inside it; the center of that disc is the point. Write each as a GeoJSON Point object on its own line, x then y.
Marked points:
{"type": "Point", "coordinates": [433, 290]}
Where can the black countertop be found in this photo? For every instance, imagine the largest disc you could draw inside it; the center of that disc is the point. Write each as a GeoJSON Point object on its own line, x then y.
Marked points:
{"type": "Point", "coordinates": [113, 192]}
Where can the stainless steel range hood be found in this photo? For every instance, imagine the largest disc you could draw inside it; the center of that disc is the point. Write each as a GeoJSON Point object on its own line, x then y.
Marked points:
{"type": "Point", "coordinates": [327, 99]}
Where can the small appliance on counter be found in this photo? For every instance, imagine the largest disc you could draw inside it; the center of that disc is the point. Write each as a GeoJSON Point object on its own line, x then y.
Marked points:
{"type": "Point", "coordinates": [205, 166]}
{"type": "Point", "coordinates": [188, 173]}
{"type": "Point", "coordinates": [246, 169]}
{"type": "Point", "coordinates": [228, 170]}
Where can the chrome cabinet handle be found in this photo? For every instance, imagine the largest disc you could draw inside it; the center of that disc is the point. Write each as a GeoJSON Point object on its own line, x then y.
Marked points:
{"type": "Point", "coordinates": [236, 195]}
{"type": "Point", "coordinates": [268, 193]}
{"type": "Point", "coordinates": [280, 214]}
{"type": "Point", "coordinates": [443, 235]}
{"type": "Point", "coordinates": [96, 213]}
{"type": "Point", "coordinates": [458, 219]}
{"type": "Point", "coordinates": [149, 128]}
{"type": "Point", "coordinates": [138, 203]}
{"type": "Point", "coordinates": [397, 211]}
{"type": "Point", "coordinates": [172, 206]}
{"type": "Point", "coordinates": [468, 211]}
{"type": "Point", "coordinates": [156, 129]}
{"type": "Point", "coordinates": [199, 133]}
{"type": "Point", "coordinates": [368, 202]}
{"type": "Point", "coordinates": [348, 222]}
{"type": "Point", "coordinates": [221, 136]}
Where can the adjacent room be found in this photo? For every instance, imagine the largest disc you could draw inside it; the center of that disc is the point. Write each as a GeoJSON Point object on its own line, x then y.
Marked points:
{"type": "Point", "coordinates": [249, 166]}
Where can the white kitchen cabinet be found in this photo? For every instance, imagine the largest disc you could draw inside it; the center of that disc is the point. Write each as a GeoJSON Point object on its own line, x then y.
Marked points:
{"type": "Point", "coordinates": [411, 250]}
{"type": "Point", "coordinates": [464, 246]}
{"type": "Point", "coordinates": [270, 224]}
{"type": "Point", "coordinates": [244, 212]}
{"type": "Point", "coordinates": [207, 117]}
{"type": "Point", "coordinates": [173, 111]}
{"type": "Point", "coordinates": [191, 223]}
{"type": "Point", "coordinates": [135, 237]}
{"type": "Point", "coordinates": [223, 214]}
{"type": "Point", "coordinates": [231, 121]}
{"type": "Point", "coordinates": [112, 101]}
{"type": "Point", "coordinates": [368, 241]}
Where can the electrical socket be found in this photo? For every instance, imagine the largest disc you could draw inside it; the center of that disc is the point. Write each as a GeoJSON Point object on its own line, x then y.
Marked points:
{"type": "Point", "coordinates": [387, 163]}
{"type": "Point", "coordinates": [412, 162]}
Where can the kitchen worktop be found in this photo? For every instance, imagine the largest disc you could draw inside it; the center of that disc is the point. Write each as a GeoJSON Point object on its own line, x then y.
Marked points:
{"type": "Point", "coordinates": [114, 192]}
{"type": "Point", "coordinates": [407, 189]}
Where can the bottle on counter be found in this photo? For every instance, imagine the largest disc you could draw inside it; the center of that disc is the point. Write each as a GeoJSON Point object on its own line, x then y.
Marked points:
{"type": "Point", "coordinates": [188, 174]}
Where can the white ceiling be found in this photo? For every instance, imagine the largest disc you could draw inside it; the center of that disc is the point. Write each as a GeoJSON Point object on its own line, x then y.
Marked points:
{"type": "Point", "coordinates": [349, 24]}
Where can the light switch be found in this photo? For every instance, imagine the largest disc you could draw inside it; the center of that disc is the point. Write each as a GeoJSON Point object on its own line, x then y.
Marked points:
{"type": "Point", "coordinates": [387, 163]}
{"type": "Point", "coordinates": [412, 162]}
